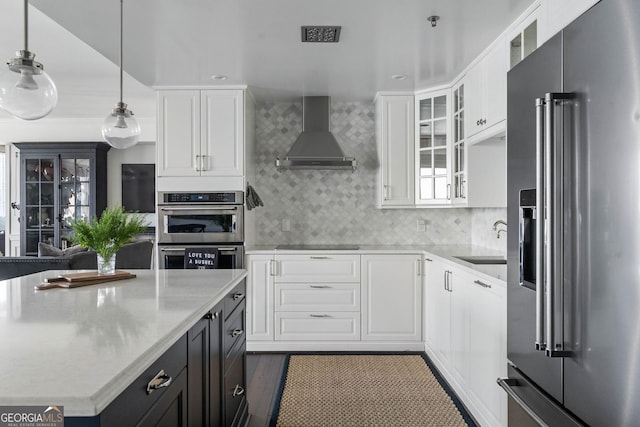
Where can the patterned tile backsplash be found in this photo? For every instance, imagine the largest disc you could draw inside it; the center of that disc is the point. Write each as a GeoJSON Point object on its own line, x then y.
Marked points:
{"type": "Point", "coordinates": [338, 207]}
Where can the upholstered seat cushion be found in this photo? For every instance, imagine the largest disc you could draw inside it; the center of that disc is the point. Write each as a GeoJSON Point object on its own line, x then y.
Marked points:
{"type": "Point", "coordinates": [45, 249]}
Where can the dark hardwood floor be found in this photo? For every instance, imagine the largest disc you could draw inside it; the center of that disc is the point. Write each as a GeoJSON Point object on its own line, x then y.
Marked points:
{"type": "Point", "coordinates": [264, 371]}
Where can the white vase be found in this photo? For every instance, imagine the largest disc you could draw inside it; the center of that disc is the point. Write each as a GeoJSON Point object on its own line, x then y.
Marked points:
{"type": "Point", "coordinates": [107, 265]}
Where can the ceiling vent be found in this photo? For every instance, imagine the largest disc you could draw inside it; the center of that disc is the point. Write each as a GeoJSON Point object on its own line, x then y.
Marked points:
{"type": "Point", "coordinates": [317, 34]}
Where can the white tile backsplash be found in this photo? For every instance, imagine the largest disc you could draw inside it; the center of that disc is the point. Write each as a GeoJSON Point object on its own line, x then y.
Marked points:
{"type": "Point", "coordinates": [482, 220]}
{"type": "Point", "coordinates": [326, 207]}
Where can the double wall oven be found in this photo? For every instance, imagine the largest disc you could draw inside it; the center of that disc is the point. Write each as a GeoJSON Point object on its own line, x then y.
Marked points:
{"type": "Point", "coordinates": [201, 220]}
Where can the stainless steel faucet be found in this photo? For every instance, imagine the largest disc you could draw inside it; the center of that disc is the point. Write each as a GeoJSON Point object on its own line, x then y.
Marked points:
{"type": "Point", "coordinates": [495, 227]}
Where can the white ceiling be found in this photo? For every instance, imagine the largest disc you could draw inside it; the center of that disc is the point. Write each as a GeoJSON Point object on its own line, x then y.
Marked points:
{"type": "Point", "coordinates": [254, 42]}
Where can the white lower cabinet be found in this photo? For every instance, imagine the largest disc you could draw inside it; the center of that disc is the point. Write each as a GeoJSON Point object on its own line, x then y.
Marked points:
{"type": "Point", "coordinates": [465, 336]}
{"type": "Point", "coordinates": [260, 286]}
{"type": "Point", "coordinates": [392, 297]}
{"type": "Point", "coordinates": [329, 301]}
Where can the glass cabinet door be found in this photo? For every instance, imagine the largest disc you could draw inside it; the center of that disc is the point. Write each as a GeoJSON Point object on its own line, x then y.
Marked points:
{"type": "Point", "coordinates": [75, 194]}
{"type": "Point", "coordinates": [39, 203]}
{"type": "Point", "coordinates": [433, 159]}
{"type": "Point", "coordinates": [459, 179]}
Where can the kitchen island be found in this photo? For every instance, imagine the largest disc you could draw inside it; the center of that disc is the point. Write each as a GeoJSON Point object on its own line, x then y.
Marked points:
{"type": "Point", "coordinates": [82, 348]}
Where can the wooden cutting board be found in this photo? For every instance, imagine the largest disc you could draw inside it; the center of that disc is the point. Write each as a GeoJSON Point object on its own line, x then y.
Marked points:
{"type": "Point", "coordinates": [75, 280]}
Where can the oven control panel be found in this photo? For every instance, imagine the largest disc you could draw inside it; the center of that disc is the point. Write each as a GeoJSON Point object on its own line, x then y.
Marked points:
{"type": "Point", "coordinates": [232, 197]}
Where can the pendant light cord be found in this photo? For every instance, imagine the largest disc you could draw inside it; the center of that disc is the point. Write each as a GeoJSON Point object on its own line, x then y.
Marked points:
{"type": "Point", "coordinates": [121, 45]}
{"type": "Point", "coordinates": [26, 25]}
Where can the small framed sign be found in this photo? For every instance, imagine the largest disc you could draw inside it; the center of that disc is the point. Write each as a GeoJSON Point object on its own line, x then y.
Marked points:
{"type": "Point", "coordinates": [201, 258]}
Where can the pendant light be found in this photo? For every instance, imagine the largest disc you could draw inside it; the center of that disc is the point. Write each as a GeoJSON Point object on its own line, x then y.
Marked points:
{"type": "Point", "coordinates": [26, 91]}
{"type": "Point", "coordinates": [119, 128]}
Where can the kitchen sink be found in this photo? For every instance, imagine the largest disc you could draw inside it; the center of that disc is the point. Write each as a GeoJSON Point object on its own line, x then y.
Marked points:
{"type": "Point", "coordinates": [483, 259]}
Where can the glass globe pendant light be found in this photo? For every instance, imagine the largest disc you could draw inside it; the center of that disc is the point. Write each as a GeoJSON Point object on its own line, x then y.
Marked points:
{"type": "Point", "coordinates": [120, 129]}
{"type": "Point", "coordinates": [26, 91]}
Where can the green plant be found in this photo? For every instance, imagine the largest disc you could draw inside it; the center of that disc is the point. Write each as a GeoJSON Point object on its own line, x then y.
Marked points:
{"type": "Point", "coordinates": [110, 232]}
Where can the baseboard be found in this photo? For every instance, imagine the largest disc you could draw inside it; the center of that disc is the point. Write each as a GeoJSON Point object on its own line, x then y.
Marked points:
{"type": "Point", "coordinates": [294, 346]}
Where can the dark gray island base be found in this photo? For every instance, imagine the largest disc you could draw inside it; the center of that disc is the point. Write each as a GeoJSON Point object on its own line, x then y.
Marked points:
{"type": "Point", "coordinates": [199, 381]}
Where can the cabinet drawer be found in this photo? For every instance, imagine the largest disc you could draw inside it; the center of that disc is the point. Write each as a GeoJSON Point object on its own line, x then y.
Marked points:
{"type": "Point", "coordinates": [317, 326]}
{"type": "Point", "coordinates": [318, 268]}
{"type": "Point", "coordinates": [234, 390]}
{"type": "Point", "coordinates": [134, 402]}
{"type": "Point", "coordinates": [235, 297]}
{"type": "Point", "coordinates": [234, 330]}
{"type": "Point", "coordinates": [317, 297]}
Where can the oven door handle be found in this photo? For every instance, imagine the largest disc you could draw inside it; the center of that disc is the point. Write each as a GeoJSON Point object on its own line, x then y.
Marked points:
{"type": "Point", "coordinates": [181, 249]}
{"type": "Point", "coordinates": [198, 209]}
{"type": "Point", "coordinates": [172, 249]}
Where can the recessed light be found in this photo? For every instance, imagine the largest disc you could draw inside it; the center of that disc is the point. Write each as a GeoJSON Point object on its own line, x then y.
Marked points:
{"type": "Point", "coordinates": [399, 77]}
{"type": "Point", "coordinates": [219, 77]}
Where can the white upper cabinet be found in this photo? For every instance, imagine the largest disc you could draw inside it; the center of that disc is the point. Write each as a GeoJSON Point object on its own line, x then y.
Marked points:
{"type": "Point", "coordinates": [433, 148]}
{"type": "Point", "coordinates": [459, 166]}
{"type": "Point", "coordinates": [555, 15]}
{"type": "Point", "coordinates": [178, 132]}
{"type": "Point", "coordinates": [395, 143]}
{"type": "Point", "coordinates": [486, 90]}
{"type": "Point", "coordinates": [200, 133]}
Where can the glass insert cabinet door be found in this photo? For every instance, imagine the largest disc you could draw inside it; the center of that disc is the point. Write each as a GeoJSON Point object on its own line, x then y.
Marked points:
{"type": "Point", "coordinates": [434, 185]}
{"type": "Point", "coordinates": [75, 194]}
{"type": "Point", "coordinates": [39, 202]}
{"type": "Point", "coordinates": [459, 167]}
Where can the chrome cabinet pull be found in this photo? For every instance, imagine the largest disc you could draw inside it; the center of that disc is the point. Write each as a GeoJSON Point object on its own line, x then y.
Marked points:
{"type": "Point", "coordinates": [449, 281]}
{"type": "Point", "coordinates": [445, 281]}
{"type": "Point", "coordinates": [237, 391]}
{"type": "Point", "coordinates": [198, 168]}
{"type": "Point", "coordinates": [428, 259]}
{"type": "Point", "coordinates": [484, 285]}
{"type": "Point", "coordinates": [273, 264]}
{"type": "Point", "coordinates": [159, 381]}
{"type": "Point", "coordinates": [320, 257]}
{"type": "Point", "coordinates": [237, 296]}
{"type": "Point", "coordinates": [236, 332]}
{"type": "Point", "coordinates": [319, 286]}
{"type": "Point", "coordinates": [385, 191]}
{"type": "Point", "coordinates": [319, 315]}
{"type": "Point", "coordinates": [448, 191]}
{"type": "Point", "coordinates": [419, 267]}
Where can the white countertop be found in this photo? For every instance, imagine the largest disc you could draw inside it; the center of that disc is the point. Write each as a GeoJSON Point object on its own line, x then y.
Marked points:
{"type": "Point", "coordinates": [82, 347]}
{"type": "Point", "coordinates": [445, 252]}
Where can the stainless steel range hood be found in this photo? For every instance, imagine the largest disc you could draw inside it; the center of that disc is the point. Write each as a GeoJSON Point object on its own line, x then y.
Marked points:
{"type": "Point", "coordinates": [316, 147]}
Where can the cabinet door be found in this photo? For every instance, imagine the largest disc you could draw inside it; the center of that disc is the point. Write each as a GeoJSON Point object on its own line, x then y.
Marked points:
{"type": "Point", "coordinates": [433, 166]}
{"type": "Point", "coordinates": [198, 372]}
{"type": "Point", "coordinates": [495, 85]}
{"type": "Point", "coordinates": [178, 133]}
{"type": "Point", "coordinates": [77, 195]}
{"type": "Point", "coordinates": [395, 133]}
{"type": "Point", "coordinates": [459, 168]}
{"type": "Point", "coordinates": [260, 297]}
{"type": "Point", "coordinates": [474, 99]}
{"type": "Point", "coordinates": [391, 297]}
{"type": "Point", "coordinates": [222, 132]}
{"type": "Point", "coordinates": [39, 212]}
{"type": "Point", "coordinates": [487, 348]}
{"type": "Point", "coordinates": [438, 307]}
{"type": "Point", "coordinates": [459, 290]}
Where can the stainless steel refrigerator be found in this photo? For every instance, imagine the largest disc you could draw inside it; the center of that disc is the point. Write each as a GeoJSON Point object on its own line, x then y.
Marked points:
{"type": "Point", "coordinates": [574, 224]}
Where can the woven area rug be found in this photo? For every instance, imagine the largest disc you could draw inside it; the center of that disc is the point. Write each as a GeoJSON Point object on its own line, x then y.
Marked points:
{"type": "Point", "coordinates": [365, 390]}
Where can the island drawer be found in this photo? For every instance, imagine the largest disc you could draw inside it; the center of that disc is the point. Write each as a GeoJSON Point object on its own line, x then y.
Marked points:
{"type": "Point", "coordinates": [234, 389]}
{"type": "Point", "coordinates": [317, 297]}
{"type": "Point", "coordinates": [234, 330]}
{"type": "Point", "coordinates": [134, 402]}
{"type": "Point", "coordinates": [234, 298]}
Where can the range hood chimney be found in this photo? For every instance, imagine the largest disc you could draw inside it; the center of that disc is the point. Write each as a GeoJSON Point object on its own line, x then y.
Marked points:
{"type": "Point", "coordinates": [316, 147]}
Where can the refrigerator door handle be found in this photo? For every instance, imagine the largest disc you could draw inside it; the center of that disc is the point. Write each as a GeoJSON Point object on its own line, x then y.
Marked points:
{"type": "Point", "coordinates": [507, 384]}
{"type": "Point", "coordinates": [553, 192]}
{"type": "Point", "coordinates": [540, 278]}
